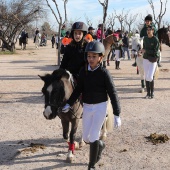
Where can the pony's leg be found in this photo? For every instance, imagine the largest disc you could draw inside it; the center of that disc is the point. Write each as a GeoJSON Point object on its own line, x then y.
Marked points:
{"type": "Point", "coordinates": [139, 62]}
{"type": "Point", "coordinates": [65, 125]}
{"type": "Point", "coordinates": [24, 46]}
{"type": "Point", "coordinates": [81, 143]}
{"type": "Point", "coordinates": [72, 143]}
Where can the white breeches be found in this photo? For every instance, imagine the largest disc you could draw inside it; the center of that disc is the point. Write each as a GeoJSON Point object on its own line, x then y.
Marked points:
{"type": "Point", "coordinates": [93, 119]}
{"type": "Point", "coordinates": [139, 61]}
{"type": "Point", "coordinates": [117, 54]}
{"type": "Point", "coordinates": [149, 69]}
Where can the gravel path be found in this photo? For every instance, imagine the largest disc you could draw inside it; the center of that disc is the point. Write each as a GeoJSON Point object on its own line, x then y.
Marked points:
{"type": "Point", "coordinates": [22, 121]}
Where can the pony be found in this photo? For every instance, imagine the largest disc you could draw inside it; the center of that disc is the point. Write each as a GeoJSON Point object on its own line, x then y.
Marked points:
{"type": "Point", "coordinates": [107, 42]}
{"type": "Point", "coordinates": [137, 45]}
{"type": "Point", "coordinates": [57, 89]}
{"type": "Point", "coordinates": [164, 36]}
{"type": "Point", "coordinates": [23, 40]}
{"type": "Point", "coordinates": [37, 40]}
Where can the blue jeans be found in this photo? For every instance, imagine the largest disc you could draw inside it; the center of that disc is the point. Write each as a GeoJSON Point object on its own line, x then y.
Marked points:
{"type": "Point", "coordinates": [127, 50]}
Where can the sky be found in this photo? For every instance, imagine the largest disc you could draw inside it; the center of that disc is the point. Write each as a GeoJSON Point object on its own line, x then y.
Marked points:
{"type": "Point", "coordinates": [78, 9]}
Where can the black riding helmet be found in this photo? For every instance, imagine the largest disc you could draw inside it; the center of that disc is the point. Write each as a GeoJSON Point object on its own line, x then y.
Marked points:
{"type": "Point", "coordinates": [79, 26]}
{"type": "Point", "coordinates": [95, 47]}
{"type": "Point", "coordinates": [148, 17]}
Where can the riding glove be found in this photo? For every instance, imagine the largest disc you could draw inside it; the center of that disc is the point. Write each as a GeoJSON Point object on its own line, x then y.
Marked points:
{"type": "Point", "coordinates": [66, 108]}
{"type": "Point", "coordinates": [117, 121]}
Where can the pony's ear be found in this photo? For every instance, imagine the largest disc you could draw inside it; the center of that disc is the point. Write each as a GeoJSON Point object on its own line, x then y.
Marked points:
{"type": "Point", "coordinates": [45, 78]}
{"type": "Point", "coordinates": [41, 77]}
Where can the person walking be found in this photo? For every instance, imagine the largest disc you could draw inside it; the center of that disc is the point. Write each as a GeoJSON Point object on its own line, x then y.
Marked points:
{"type": "Point", "coordinates": [148, 22]}
{"type": "Point", "coordinates": [95, 83]}
{"type": "Point", "coordinates": [150, 56]}
{"type": "Point", "coordinates": [125, 46]}
{"type": "Point", "coordinates": [118, 50]}
{"type": "Point", "coordinates": [53, 40]}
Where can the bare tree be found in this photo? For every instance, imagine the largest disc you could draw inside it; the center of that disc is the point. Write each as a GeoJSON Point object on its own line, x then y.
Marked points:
{"type": "Point", "coordinates": [59, 21]}
{"type": "Point", "coordinates": [158, 19]}
{"type": "Point", "coordinates": [88, 21]}
{"type": "Point", "coordinates": [129, 20]}
{"type": "Point", "coordinates": [121, 17]}
{"type": "Point", "coordinates": [14, 16]}
{"type": "Point", "coordinates": [65, 12]}
{"type": "Point", "coordinates": [111, 20]}
{"type": "Point", "coordinates": [105, 6]}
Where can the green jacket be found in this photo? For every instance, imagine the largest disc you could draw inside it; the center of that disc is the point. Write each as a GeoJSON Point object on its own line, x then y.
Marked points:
{"type": "Point", "coordinates": [63, 32]}
{"type": "Point", "coordinates": [143, 32]}
{"type": "Point", "coordinates": [151, 47]}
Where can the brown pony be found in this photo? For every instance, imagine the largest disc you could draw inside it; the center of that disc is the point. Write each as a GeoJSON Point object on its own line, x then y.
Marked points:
{"type": "Point", "coordinates": [164, 36]}
{"type": "Point", "coordinates": [107, 42]}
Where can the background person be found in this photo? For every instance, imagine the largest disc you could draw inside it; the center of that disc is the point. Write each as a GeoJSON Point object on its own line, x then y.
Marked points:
{"type": "Point", "coordinates": [148, 22]}
{"type": "Point", "coordinates": [125, 46]}
{"type": "Point", "coordinates": [150, 56]}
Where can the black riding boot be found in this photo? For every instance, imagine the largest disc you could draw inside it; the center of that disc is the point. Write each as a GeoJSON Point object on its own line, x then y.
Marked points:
{"type": "Point", "coordinates": [118, 63]}
{"type": "Point", "coordinates": [94, 149]}
{"type": "Point", "coordinates": [101, 147]}
{"type": "Point", "coordinates": [148, 90]}
{"type": "Point", "coordinates": [152, 88]}
{"type": "Point", "coordinates": [142, 86]}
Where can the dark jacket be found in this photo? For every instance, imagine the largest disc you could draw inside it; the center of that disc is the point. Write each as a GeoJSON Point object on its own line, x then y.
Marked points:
{"type": "Point", "coordinates": [125, 41]}
{"type": "Point", "coordinates": [95, 87]}
{"type": "Point", "coordinates": [143, 32]}
{"type": "Point", "coordinates": [73, 58]}
{"type": "Point", "coordinates": [93, 36]}
{"type": "Point", "coordinates": [53, 39]}
{"type": "Point", "coordinates": [151, 47]}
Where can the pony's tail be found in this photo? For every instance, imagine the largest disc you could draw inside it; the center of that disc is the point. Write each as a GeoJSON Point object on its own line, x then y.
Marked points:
{"type": "Point", "coordinates": [109, 122]}
{"type": "Point", "coordinates": [156, 74]}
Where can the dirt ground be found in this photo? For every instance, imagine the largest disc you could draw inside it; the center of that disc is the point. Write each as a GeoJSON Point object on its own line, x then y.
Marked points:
{"type": "Point", "coordinates": [22, 122]}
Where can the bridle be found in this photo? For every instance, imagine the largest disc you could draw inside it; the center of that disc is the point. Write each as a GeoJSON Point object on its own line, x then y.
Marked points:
{"type": "Point", "coordinates": [60, 106]}
{"type": "Point", "coordinates": [59, 109]}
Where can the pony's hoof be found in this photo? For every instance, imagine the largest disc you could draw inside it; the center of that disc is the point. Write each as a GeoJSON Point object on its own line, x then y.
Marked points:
{"type": "Point", "coordinates": [81, 144]}
{"type": "Point", "coordinates": [103, 138]}
{"type": "Point", "coordinates": [76, 145]}
{"type": "Point", "coordinates": [70, 157]}
{"type": "Point", "coordinates": [141, 91]}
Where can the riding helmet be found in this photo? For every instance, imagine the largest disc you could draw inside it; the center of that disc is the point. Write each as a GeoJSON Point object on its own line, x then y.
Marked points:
{"type": "Point", "coordinates": [148, 17]}
{"type": "Point", "coordinates": [95, 47]}
{"type": "Point", "coordinates": [79, 26]}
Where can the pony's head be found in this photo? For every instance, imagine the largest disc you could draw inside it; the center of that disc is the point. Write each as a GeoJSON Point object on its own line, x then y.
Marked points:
{"type": "Point", "coordinates": [164, 35]}
{"type": "Point", "coordinates": [137, 44]}
{"type": "Point", "coordinates": [57, 89]}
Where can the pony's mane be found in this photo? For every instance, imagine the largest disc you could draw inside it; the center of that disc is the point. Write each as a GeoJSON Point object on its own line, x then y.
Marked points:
{"type": "Point", "coordinates": [59, 73]}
